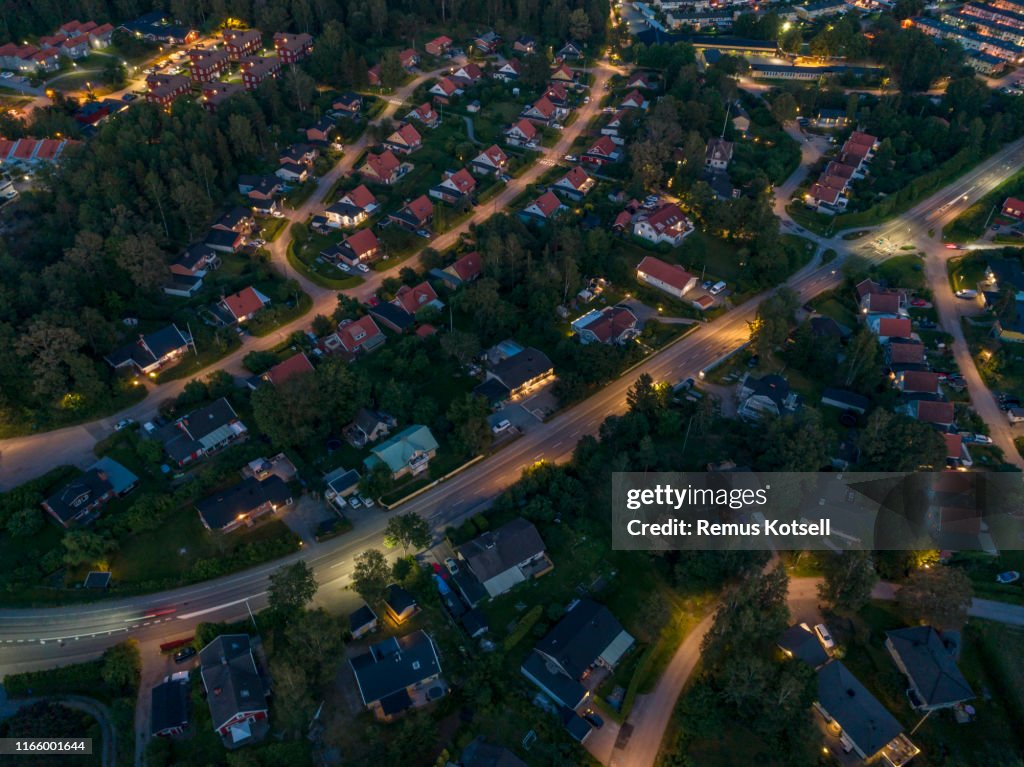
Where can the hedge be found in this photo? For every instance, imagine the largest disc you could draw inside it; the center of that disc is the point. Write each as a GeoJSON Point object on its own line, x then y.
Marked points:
{"type": "Point", "coordinates": [526, 623]}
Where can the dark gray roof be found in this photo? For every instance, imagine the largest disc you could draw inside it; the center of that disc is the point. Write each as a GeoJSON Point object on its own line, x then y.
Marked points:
{"type": "Point", "coordinates": [802, 643]}
{"type": "Point", "coordinates": [474, 622]}
{"type": "Point", "coordinates": [345, 209]}
{"type": "Point", "coordinates": [774, 387]}
{"type": "Point", "coordinates": [393, 315]}
{"type": "Point", "coordinates": [169, 706]}
{"type": "Point", "coordinates": [182, 438]}
{"type": "Point", "coordinates": [866, 721]}
{"type": "Point", "coordinates": [581, 636]}
{"type": "Point", "coordinates": [469, 586]}
{"type": "Point", "coordinates": [480, 753]}
{"type": "Point", "coordinates": [848, 399]}
{"type": "Point", "coordinates": [578, 727]}
{"type": "Point", "coordinates": [364, 616]}
{"type": "Point", "coordinates": [222, 238]}
{"type": "Point", "coordinates": [516, 370]}
{"type": "Point", "coordinates": [219, 510]}
{"type": "Point", "coordinates": [931, 665]}
{"type": "Point", "coordinates": [825, 327]}
{"type": "Point", "coordinates": [194, 254]}
{"type": "Point", "coordinates": [492, 390]}
{"type": "Point", "coordinates": [398, 599]}
{"type": "Point", "coordinates": [234, 217]}
{"type": "Point", "coordinates": [149, 348]}
{"type": "Point", "coordinates": [79, 494]}
{"type": "Point", "coordinates": [339, 482]}
{"type": "Point", "coordinates": [232, 682]}
{"type": "Point", "coordinates": [367, 420]}
{"type": "Point", "coordinates": [496, 551]}
{"type": "Point", "coordinates": [391, 666]}
{"type": "Point", "coordinates": [558, 686]}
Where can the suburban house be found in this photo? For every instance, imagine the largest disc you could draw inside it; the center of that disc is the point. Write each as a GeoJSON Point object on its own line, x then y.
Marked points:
{"type": "Point", "coordinates": [238, 219]}
{"type": "Point", "coordinates": [413, 299]}
{"type": "Point", "coordinates": [399, 604]}
{"type": "Point", "coordinates": [611, 325]}
{"type": "Point", "coordinates": [927, 658]}
{"type": "Point", "coordinates": [256, 69]}
{"type": "Point", "coordinates": [415, 214]}
{"type": "Point", "coordinates": [384, 168]}
{"type": "Point", "coordinates": [362, 622]}
{"type": "Point", "coordinates": [368, 426]}
{"type": "Point", "coordinates": [292, 172]}
{"type": "Point", "coordinates": [467, 74]}
{"type": "Point", "coordinates": [634, 100]}
{"type": "Point", "coordinates": [244, 503]}
{"type": "Point", "coordinates": [602, 151]}
{"type": "Point", "coordinates": [242, 306]}
{"type": "Point", "coordinates": [588, 637]}
{"type": "Point", "coordinates": [639, 80]}
{"type": "Point", "coordinates": [768, 395]}
{"type": "Point", "coordinates": [1009, 325]}
{"type": "Point", "coordinates": [509, 555]}
{"type": "Point", "coordinates": [351, 104]}
{"type": "Point", "coordinates": [570, 50]}
{"type": "Point", "coordinates": [241, 43]}
{"type": "Point", "coordinates": [508, 71]}
{"type": "Point", "coordinates": [398, 674]}
{"type": "Point", "coordinates": [487, 43]}
{"type": "Point", "coordinates": [216, 93]}
{"type": "Point", "coordinates": [865, 725]}
{"type": "Point", "coordinates": [543, 112]}
{"type": "Point", "coordinates": [296, 365]}
{"type": "Point", "coordinates": [801, 643]}
{"type": "Point", "coordinates": [259, 187]}
{"type": "Point", "coordinates": [321, 130]}
{"type": "Point", "coordinates": [408, 58]}
{"type": "Point", "coordinates": [615, 123]}
{"type": "Point", "coordinates": [235, 690]}
{"type": "Point", "coordinates": [292, 48]}
{"type": "Point", "coordinates": [466, 268]}
{"type": "Point", "coordinates": [670, 278]}
{"type": "Point", "coordinates": [151, 351]}
{"type": "Point", "coordinates": [444, 90]}
{"type": "Point", "coordinates": [360, 247]}
{"type": "Point", "coordinates": [164, 89]}
{"type": "Point", "coordinates": [438, 46]}
{"type": "Point", "coordinates": [937, 413]}
{"type": "Point", "coordinates": [81, 499]}
{"type": "Point", "coordinates": [545, 207]}
{"type": "Point", "coordinates": [575, 184]}
{"type": "Point", "coordinates": [523, 133]}
{"type": "Point", "coordinates": [918, 382]}
{"type": "Point", "coordinates": [168, 711]}
{"type": "Point", "coordinates": [525, 44]}
{"type": "Point", "coordinates": [201, 432]}
{"type": "Point", "coordinates": [360, 335]}
{"type": "Point", "coordinates": [158, 27]}
{"type": "Point", "coordinates": [426, 114]}
{"type": "Point", "coordinates": [562, 73]}
{"type": "Point", "coordinates": [491, 160]}
{"type": "Point", "coordinates": [1013, 208]}
{"type": "Point", "coordinates": [718, 154]}
{"type": "Point", "coordinates": [207, 65]}
{"type": "Point", "coordinates": [405, 140]}
{"type": "Point", "coordinates": [878, 299]}
{"type": "Point", "coordinates": [667, 224]}
{"type": "Point", "coordinates": [517, 376]}
{"type": "Point", "coordinates": [844, 400]}
{"type": "Point", "coordinates": [831, 118]}
{"type": "Point", "coordinates": [887, 328]}
{"type": "Point", "coordinates": [454, 186]}
{"type": "Point", "coordinates": [352, 208]}
{"type": "Point", "coordinates": [557, 94]}
{"type": "Point", "coordinates": [393, 317]}
{"type": "Point", "coordinates": [339, 485]}
{"type": "Point", "coordinates": [408, 452]}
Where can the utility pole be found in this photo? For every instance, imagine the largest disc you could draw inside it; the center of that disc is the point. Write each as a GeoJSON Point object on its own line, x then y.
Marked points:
{"type": "Point", "coordinates": [251, 616]}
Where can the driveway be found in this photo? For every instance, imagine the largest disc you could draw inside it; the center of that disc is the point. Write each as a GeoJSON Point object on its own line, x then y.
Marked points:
{"type": "Point", "coordinates": [305, 515]}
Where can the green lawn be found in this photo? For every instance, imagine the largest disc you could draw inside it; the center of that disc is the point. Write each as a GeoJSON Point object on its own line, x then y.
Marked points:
{"type": "Point", "coordinates": [830, 305]}
{"type": "Point", "coordinates": [906, 271]}
{"type": "Point", "coordinates": [983, 568]}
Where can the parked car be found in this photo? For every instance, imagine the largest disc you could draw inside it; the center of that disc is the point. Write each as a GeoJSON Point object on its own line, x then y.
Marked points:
{"type": "Point", "coordinates": [570, 158]}
{"type": "Point", "coordinates": [423, 233]}
{"type": "Point", "coordinates": [345, 267]}
{"type": "Point", "coordinates": [452, 565]}
{"type": "Point", "coordinates": [363, 268]}
{"type": "Point", "coordinates": [500, 426]}
{"type": "Point", "coordinates": [367, 501]}
{"type": "Point", "coordinates": [918, 302]}
{"type": "Point", "coordinates": [826, 638]}
{"type": "Point", "coordinates": [966, 293]}
{"type": "Point", "coordinates": [982, 439]}
{"type": "Point", "coordinates": [123, 424]}
{"type": "Point", "coordinates": [129, 97]}
{"type": "Point", "coordinates": [184, 654]}
{"type": "Point", "coordinates": [594, 719]}
{"type": "Point", "coordinates": [354, 502]}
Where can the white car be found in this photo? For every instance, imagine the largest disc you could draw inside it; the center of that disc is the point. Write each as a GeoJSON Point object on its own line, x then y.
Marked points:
{"type": "Point", "coordinates": [354, 502]}
{"type": "Point", "coordinates": [345, 267]}
{"type": "Point", "coordinates": [368, 502]}
{"type": "Point", "coordinates": [123, 424]}
{"type": "Point", "coordinates": [452, 565]}
{"type": "Point", "coordinates": [982, 439]}
{"type": "Point", "coordinates": [500, 426]}
{"type": "Point", "coordinates": [363, 268]}
{"type": "Point", "coordinates": [824, 637]}
{"type": "Point", "coordinates": [7, 75]}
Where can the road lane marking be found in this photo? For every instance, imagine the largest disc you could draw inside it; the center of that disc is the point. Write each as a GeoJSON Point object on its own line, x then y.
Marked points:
{"type": "Point", "coordinates": [197, 613]}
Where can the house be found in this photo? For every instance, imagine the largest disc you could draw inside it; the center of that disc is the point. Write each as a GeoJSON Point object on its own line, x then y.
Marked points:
{"type": "Point", "coordinates": [235, 691]}
{"type": "Point", "coordinates": [352, 209]}
{"type": "Point", "coordinates": [465, 269]}
{"type": "Point", "coordinates": [615, 123]}
{"type": "Point", "coordinates": [413, 299]}
{"type": "Point", "coordinates": [301, 154]}
{"type": "Point", "coordinates": [164, 89]}
{"type": "Point", "coordinates": [415, 214]}
{"type": "Point", "coordinates": [562, 73]}
{"type": "Point", "coordinates": [444, 90]}
{"type": "Point", "coordinates": [238, 219]}
{"type": "Point", "coordinates": [256, 69]}
{"type": "Point", "coordinates": [937, 413]}
{"type": "Point", "coordinates": [360, 335]}
{"type": "Point", "coordinates": [825, 198]}
{"type": "Point", "coordinates": [168, 710]}
{"type": "Point", "coordinates": [602, 151]}
{"type": "Point", "coordinates": [157, 27]}
{"type": "Point", "coordinates": [373, 76]}
{"type": "Point", "coordinates": [292, 172]}
{"type": "Point", "coordinates": [360, 247]}
{"type": "Point", "coordinates": [490, 161]}
{"type": "Point", "coordinates": [865, 725]}
{"type": "Point", "coordinates": [243, 305]}
{"type": "Point", "coordinates": [525, 44]}
{"type": "Point", "coordinates": [383, 168]}
{"type": "Point", "coordinates": [557, 94]}
{"type": "Point", "coordinates": [576, 183]}
{"type": "Point", "coordinates": [425, 114]}
{"type": "Point", "coordinates": [769, 395]}
{"type": "Point", "coordinates": [545, 207]}
{"type": "Point", "coordinates": [667, 224]}
{"type": "Point", "coordinates": [1013, 208]}
{"type": "Point", "coordinates": [801, 643]}
{"type": "Point", "coordinates": [927, 658]}
{"type": "Point", "coordinates": [868, 291]}
{"type": "Point", "coordinates": [339, 484]}
{"type": "Point", "coordinates": [509, 555]}
{"type": "Point", "coordinates": [670, 278]}
{"type": "Point", "coordinates": [349, 103]}
{"type": "Point", "coordinates": [405, 140]}
{"type": "Point", "coordinates": [570, 50]}
{"type": "Point", "coordinates": [1009, 325]}
{"type": "Point", "coordinates": [846, 401]}
{"type": "Point", "coordinates": [523, 133]}
{"type": "Point", "coordinates": [639, 80]}
{"type": "Point", "coordinates": [399, 604]}
{"type": "Point", "coordinates": [266, 208]}
{"type": "Point", "coordinates": [831, 118]}
{"type": "Point", "coordinates": [543, 112]}
{"type": "Point", "coordinates": [508, 71]}
{"type": "Point", "coordinates": [242, 43]}
{"type": "Point", "coordinates": [363, 621]}
{"type": "Point", "coordinates": [487, 43]}
{"type": "Point", "coordinates": [887, 328]}
{"type": "Point", "coordinates": [259, 187]}
{"type": "Point", "coordinates": [718, 154]}
{"type": "Point", "coordinates": [80, 499]}
{"type": "Point", "coordinates": [321, 130]}
{"type": "Point", "coordinates": [518, 375]}
{"type": "Point", "coordinates": [224, 240]}
{"type": "Point", "coordinates": [956, 451]}
{"type": "Point", "coordinates": [438, 46]}
{"type": "Point", "coordinates": [408, 58]}
{"type": "Point", "coordinates": [467, 74]}
{"type": "Point", "coordinates": [398, 674]}
{"type": "Point", "coordinates": [587, 637]}
{"type": "Point", "coordinates": [393, 317]}
{"type": "Point", "coordinates": [454, 186]}
{"type": "Point", "coordinates": [918, 382]}
{"type": "Point", "coordinates": [294, 366]}
{"type": "Point", "coordinates": [243, 503]}
{"type": "Point", "coordinates": [611, 325]}
{"type": "Point", "coordinates": [201, 432]}
{"type": "Point", "coordinates": [292, 48]}
{"type": "Point", "coordinates": [207, 64]}
{"type": "Point", "coordinates": [634, 100]}
{"type": "Point", "coordinates": [368, 426]}
{"type": "Point", "coordinates": [151, 351]}
{"type": "Point", "coordinates": [408, 452]}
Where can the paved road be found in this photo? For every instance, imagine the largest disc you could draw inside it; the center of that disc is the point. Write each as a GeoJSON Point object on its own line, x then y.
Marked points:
{"type": "Point", "coordinates": [987, 609]}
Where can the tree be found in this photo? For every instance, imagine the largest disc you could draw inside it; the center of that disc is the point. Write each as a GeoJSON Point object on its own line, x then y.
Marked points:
{"type": "Point", "coordinates": [774, 315]}
{"type": "Point", "coordinates": [463, 345]}
{"type": "Point", "coordinates": [407, 530]}
{"type": "Point", "coordinates": [84, 547]}
{"type": "Point", "coordinates": [371, 577]}
{"type": "Point", "coordinates": [315, 638]}
{"type": "Point", "coordinates": [291, 587]}
{"type": "Point", "coordinates": [579, 25]}
{"type": "Point", "coordinates": [122, 666]}
{"type": "Point", "coordinates": [784, 108]}
{"type": "Point", "coordinates": [893, 442]}
{"type": "Point", "coordinates": [291, 690]}
{"type": "Point", "coordinates": [472, 430]}
{"type": "Point", "coordinates": [936, 595]}
{"type": "Point", "coordinates": [323, 325]}
{"type": "Point", "coordinates": [25, 523]}
{"type": "Point", "coordinates": [849, 578]}
{"type": "Point", "coordinates": [645, 397]}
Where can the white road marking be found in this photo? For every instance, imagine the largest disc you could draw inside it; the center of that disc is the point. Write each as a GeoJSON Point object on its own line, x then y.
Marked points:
{"type": "Point", "coordinates": [197, 613]}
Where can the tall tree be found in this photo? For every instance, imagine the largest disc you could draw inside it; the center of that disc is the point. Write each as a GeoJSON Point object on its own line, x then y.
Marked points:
{"type": "Point", "coordinates": [848, 579]}
{"type": "Point", "coordinates": [407, 530]}
{"type": "Point", "coordinates": [371, 576]}
{"type": "Point", "coordinates": [939, 596]}
{"type": "Point", "coordinates": [291, 587]}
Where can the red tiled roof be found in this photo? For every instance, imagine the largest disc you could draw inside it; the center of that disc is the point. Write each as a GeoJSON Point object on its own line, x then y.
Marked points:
{"type": "Point", "coordinates": [953, 445]}
{"type": "Point", "coordinates": [666, 216]}
{"type": "Point", "coordinates": [670, 274]}
{"type": "Point", "coordinates": [940, 413]}
{"type": "Point", "coordinates": [425, 112]}
{"type": "Point", "coordinates": [408, 136]}
{"type": "Point", "coordinates": [894, 328]}
{"type": "Point", "coordinates": [383, 165]}
{"type": "Point", "coordinates": [421, 208]}
{"type": "Point", "coordinates": [48, 149]}
{"type": "Point", "coordinates": [468, 267]}
{"type": "Point", "coordinates": [442, 40]}
{"type": "Point", "coordinates": [603, 146]}
{"type": "Point", "coordinates": [840, 169]}
{"type": "Point", "coordinates": [557, 91]}
{"type": "Point", "coordinates": [412, 299]}
{"type": "Point", "coordinates": [426, 330]}
{"type": "Point", "coordinates": [625, 218]}
{"type": "Point", "coordinates": [862, 139]}
{"type": "Point", "coordinates": [543, 107]}
{"type": "Point", "coordinates": [447, 85]}
{"type": "Point", "coordinates": [920, 381]}
{"type": "Point", "coordinates": [634, 97]}
{"type": "Point", "coordinates": [495, 155]}
{"type": "Point", "coordinates": [295, 365]}
{"type": "Point", "coordinates": [883, 303]}
{"type": "Point", "coordinates": [833, 182]}
{"type": "Point", "coordinates": [576, 177]}
{"type": "Point", "coordinates": [471, 71]}
{"type": "Point", "coordinates": [906, 353]}
{"type": "Point", "coordinates": [525, 127]}
{"type": "Point", "coordinates": [612, 323]}
{"type": "Point", "coordinates": [463, 181]}
{"type": "Point", "coordinates": [823, 193]}
{"type": "Point", "coordinates": [356, 334]}
{"type": "Point", "coordinates": [25, 148]}
{"type": "Point", "coordinates": [406, 56]}
{"type": "Point", "coordinates": [361, 197]}
{"type": "Point", "coordinates": [547, 204]}
{"type": "Point", "coordinates": [244, 302]}
{"type": "Point", "coordinates": [563, 71]}
{"type": "Point", "coordinates": [362, 242]}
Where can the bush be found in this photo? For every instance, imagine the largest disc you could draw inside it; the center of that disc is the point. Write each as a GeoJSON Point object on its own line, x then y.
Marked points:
{"type": "Point", "coordinates": [526, 623]}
